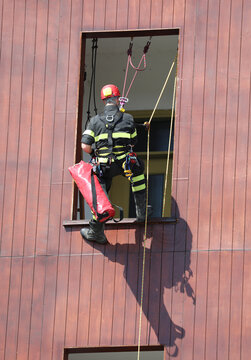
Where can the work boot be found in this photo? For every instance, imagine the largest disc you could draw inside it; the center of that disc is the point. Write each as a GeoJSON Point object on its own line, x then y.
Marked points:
{"type": "Point", "coordinates": [95, 232]}
{"type": "Point", "coordinates": [140, 206]}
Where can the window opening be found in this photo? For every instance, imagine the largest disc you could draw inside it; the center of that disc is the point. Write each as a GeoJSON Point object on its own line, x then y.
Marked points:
{"type": "Point", "coordinates": [110, 61]}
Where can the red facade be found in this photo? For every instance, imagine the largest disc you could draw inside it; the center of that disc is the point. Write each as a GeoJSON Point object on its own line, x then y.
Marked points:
{"type": "Point", "coordinates": [59, 292]}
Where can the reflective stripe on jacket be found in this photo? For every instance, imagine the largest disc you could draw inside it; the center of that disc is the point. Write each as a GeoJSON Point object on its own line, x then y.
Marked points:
{"type": "Point", "coordinates": [111, 132]}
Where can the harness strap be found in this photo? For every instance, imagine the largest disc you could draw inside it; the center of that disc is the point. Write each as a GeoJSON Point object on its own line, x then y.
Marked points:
{"type": "Point", "coordinates": [94, 202]}
{"type": "Point", "coordinates": [94, 194]}
{"type": "Point", "coordinates": [121, 213]}
{"type": "Point", "coordinates": [109, 124]}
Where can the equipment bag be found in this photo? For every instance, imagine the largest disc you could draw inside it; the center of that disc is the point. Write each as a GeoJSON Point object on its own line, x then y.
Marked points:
{"type": "Point", "coordinates": [90, 188]}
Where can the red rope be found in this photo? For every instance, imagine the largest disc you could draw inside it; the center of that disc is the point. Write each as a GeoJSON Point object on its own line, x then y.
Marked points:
{"type": "Point", "coordinates": [127, 65]}
{"type": "Point", "coordinates": [136, 72]}
{"type": "Point", "coordinates": [136, 68]}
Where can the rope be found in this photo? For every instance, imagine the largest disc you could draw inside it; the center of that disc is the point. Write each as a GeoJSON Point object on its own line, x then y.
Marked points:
{"type": "Point", "coordinates": [169, 147]}
{"type": "Point", "coordinates": [123, 98]}
{"type": "Point", "coordinates": [144, 248]}
{"type": "Point", "coordinates": [146, 216]}
{"type": "Point", "coordinates": [95, 46]}
{"type": "Point", "coordinates": [93, 80]}
{"type": "Point", "coordinates": [164, 86]}
{"type": "Point", "coordinates": [136, 71]}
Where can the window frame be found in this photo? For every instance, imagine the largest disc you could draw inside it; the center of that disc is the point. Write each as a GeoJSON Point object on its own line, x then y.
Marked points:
{"type": "Point", "coordinates": [78, 130]}
{"type": "Point", "coordinates": [115, 349]}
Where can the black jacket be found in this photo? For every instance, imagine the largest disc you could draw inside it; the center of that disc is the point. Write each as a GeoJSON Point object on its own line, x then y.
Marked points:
{"type": "Point", "coordinates": [111, 132]}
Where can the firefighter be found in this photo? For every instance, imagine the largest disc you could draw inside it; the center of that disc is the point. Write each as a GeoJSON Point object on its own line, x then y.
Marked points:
{"type": "Point", "coordinates": [109, 139]}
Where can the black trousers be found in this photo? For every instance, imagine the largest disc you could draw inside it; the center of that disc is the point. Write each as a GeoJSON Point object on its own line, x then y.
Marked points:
{"type": "Point", "coordinates": [115, 169]}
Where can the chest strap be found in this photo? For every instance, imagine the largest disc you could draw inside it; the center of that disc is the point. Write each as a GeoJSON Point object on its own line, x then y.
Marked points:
{"type": "Point", "coordinates": [110, 119]}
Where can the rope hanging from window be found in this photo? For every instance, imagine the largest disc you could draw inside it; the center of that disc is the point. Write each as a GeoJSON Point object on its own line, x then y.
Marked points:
{"type": "Point", "coordinates": [124, 98]}
{"type": "Point", "coordinates": [92, 89]}
{"type": "Point", "coordinates": [169, 146]}
{"type": "Point", "coordinates": [147, 193]}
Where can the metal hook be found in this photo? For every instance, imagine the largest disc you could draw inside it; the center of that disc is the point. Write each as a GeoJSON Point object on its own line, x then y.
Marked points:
{"type": "Point", "coordinates": [110, 118]}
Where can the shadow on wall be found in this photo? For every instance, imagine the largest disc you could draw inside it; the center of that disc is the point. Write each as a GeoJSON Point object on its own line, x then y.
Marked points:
{"type": "Point", "coordinates": [172, 272]}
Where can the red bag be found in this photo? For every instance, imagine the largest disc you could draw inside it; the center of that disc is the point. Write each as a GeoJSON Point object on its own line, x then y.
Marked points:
{"type": "Point", "coordinates": [90, 188]}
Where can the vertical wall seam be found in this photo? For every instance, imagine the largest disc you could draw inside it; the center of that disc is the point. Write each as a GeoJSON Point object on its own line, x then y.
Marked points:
{"type": "Point", "coordinates": [62, 185]}
{"type": "Point", "coordinates": [148, 298]}
{"type": "Point", "coordinates": [202, 126]}
{"type": "Point", "coordinates": [245, 217]}
{"type": "Point", "coordinates": [237, 125]}
{"type": "Point", "coordinates": [20, 301]}
{"type": "Point", "coordinates": [65, 122]}
{"type": "Point", "coordinates": [8, 118]}
{"type": "Point", "coordinates": [125, 288]}
{"type": "Point", "coordinates": [225, 123]}
{"type": "Point", "coordinates": [116, 17]}
{"type": "Point", "coordinates": [93, 18]}
{"type": "Point", "coordinates": [137, 295]}
{"type": "Point", "coordinates": [53, 129]}
{"type": "Point", "coordinates": [195, 39]}
{"type": "Point", "coordinates": [81, 258]}
{"type": "Point", "coordinates": [42, 307]}
{"type": "Point", "coordinates": [105, 14]}
{"type": "Point", "coordinates": [102, 298]}
{"type": "Point", "coordinates": [173, 6]}
{"type": "Point", "coordinates": [114, 287]}
{"type": "Point", "coordinates": [67, 293]}
{"type": "Point", "coordinates": [218, 313]}
{"type": "Point", "coordinates": [178, 101]}
{"type": "Point", "coordinates": [212, 169]}
{"type": "Point", "coordinates": [160, 280]}
{"type": "Point", "coordinates": [90, 296]}
{"type": "Point", "coordinates": [42, 131]}
{"type": "Point", "coordinates": [150, 20]}
{"type": "Point", "coordinates": [205, 52]}
{"type": "Point", "coordinates": [214, 125]}
{"type": "Point", "coordinates": [55, 306]}
{"type": "Point", "coordinates": [16, 174]}
{"type": "Point", "coordinates": [1, 29]}
{"type": "Point", "coordinates": [32, 302]}
{"type": "Point", "coordinates": [79, 291]}
{"type": "Point", "coordinates": [5, 167]}
{"type": "Point", "coordinates": [19, 126]}
{"type": "Point", "coordinates": [234, 192]}
{"type": "Point", "coordinates": [31, 111]}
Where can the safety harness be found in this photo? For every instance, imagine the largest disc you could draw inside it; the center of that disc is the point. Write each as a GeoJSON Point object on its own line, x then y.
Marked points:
{"type": "Point", "coordinates": [110, 119]}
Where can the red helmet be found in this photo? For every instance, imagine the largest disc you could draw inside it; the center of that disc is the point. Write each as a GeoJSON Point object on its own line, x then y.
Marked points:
{"type": "Point", "coordinates": [108, 91]}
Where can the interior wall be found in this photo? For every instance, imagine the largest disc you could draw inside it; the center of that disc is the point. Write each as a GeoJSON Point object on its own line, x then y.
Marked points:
{"type": "Point", "coordinates": [111, 67]}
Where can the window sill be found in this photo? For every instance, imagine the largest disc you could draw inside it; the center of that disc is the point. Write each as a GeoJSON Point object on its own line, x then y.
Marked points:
{"type": "Point", "coordinates": [126, 221]}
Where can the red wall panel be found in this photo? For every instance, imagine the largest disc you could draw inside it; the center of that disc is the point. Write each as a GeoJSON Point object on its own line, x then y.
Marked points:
{"type": "Point", "coordinates": [60, 292]}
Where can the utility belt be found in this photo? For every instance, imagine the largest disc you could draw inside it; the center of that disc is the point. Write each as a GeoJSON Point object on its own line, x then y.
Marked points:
{"type": "Point", "coordinates": [128, 160]}
{"type": "Point", "coordinates": [108, 156]}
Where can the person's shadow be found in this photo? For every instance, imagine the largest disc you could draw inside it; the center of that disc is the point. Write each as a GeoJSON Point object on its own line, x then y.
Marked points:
{"type": "Point", "coordinates": [167, 265]}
